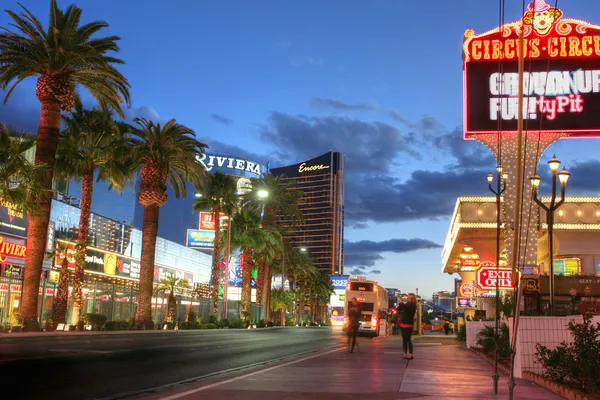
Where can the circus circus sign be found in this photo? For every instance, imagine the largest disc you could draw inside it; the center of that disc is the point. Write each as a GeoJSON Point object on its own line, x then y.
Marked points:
{"type": "Point", "coordinates": [561, 80]}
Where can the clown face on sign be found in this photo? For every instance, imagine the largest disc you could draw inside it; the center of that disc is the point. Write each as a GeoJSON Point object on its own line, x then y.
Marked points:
{"type": "Point", "coordinates": [541, 16]}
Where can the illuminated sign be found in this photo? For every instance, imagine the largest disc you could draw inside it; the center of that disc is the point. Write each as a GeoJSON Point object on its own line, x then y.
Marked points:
{"type": "Point", "coordinates": [487, 276]}
{"type": "Point", "coordinates": [10, 249]}
{"type": "Point", "coordinates": [206, 220]}
{"type": "Point", "coordinates": [466, 289]}
{"type": "Point", "coordinates": [339, 281]}
{"type": "Point", "coordinates": [469, 262]}
{"type": "Point", "coordinates": [200, 239]}
{"type": "Point", "coordinates": [239, 164]}
{"type": "Point", "coordinates": [12, 220]}
{"type": "Point", "coordinates": [561, 82]}
{"type": "Point", "coordinates": [531, 284]}
{"type": "Point", "coordinates": [466, 302]}
{"type": "Point", "coordinates": [308, 168]}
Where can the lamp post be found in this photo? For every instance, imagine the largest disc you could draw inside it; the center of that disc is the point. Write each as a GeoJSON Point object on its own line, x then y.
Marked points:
{"type": "Point", "coordinates": [563, 178]}
{"type": "Point", "coordinates": [500, 187]}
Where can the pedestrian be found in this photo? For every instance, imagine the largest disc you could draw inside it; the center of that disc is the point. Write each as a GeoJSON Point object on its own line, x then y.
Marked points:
{"type": "Point", "coordinates": [451, 328]}
{"type": "Point", "coordinates": [446, 327]}
{"type": "Point", "coordinates": [353, 322]}
{"type": "Point", "coordinates": [395, 324]}
{"type": "Point", "coordinates": [407, 321]}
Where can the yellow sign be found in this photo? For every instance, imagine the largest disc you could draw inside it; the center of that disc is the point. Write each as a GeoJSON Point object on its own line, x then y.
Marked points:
{"type": "Point", "coordinates": [110, 263]}
{"type": "Point", "coordinates": [304, 168]}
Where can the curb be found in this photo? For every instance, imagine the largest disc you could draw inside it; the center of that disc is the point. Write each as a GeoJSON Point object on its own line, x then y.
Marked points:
{"type": "Point", "coordinates": [501, 367]}
{"type": "Point", "coordinates": [559, 389]}
{"type": "Point", "coordinates": [142, 332]}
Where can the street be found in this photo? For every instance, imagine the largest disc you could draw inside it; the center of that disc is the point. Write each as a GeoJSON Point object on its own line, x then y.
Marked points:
{"type": "Point", "coordinates": [96, 366]}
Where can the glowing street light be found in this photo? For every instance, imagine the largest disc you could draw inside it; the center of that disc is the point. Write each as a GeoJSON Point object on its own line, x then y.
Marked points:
{"type": "Point", "coordinates": [262, 194]}
{"type": "Point", "coordinates": [563, 178]}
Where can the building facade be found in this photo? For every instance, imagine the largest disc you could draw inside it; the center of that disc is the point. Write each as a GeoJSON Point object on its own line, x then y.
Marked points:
{"type": "Point", "coordinates": [321, 182]}
{"type": "Point", "coordinates": [111, 280]}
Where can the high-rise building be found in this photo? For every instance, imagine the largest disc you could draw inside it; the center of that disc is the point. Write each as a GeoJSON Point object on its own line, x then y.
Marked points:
{"type": "Point", "coordinates": [321, 182]}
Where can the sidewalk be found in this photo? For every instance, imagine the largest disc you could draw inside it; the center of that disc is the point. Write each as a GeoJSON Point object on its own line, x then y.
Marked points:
{"type": "Point", "coordinates": [441, 370]}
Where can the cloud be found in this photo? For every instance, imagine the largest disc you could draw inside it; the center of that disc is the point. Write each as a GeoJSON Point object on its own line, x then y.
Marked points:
{"type": "Point", "coordinates": [369, 146]}
{"type": "Point", "coordinates": [221, 119]}
{"type": "Point", "coordinates": [357, 271]}
{"type": "Point", "coordinates": [318, 102]}
{"type": "Point", "coordinates": [375, 271]}
{"type": "Point", "coordinates": [583, 179]}
{"type": "Point", "coordinates": [366, 253]}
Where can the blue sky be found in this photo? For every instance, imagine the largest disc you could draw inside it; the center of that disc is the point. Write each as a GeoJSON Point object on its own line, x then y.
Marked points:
{"type": "Point", "coordinates": [283, 81]}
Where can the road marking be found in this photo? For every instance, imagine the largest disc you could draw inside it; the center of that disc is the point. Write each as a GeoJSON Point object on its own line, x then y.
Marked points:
{"type": "Point", "coordinates": [237, 378]}
{"type": "Point", "coordinates": [81, 351]}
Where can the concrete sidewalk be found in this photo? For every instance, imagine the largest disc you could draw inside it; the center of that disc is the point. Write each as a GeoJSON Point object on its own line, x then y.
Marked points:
{"type": "Point", "coordinates": [441, 370]}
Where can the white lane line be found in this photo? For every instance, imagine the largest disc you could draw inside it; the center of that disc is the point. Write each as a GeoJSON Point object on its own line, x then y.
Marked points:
{"type": "Point", "coordinates": [81, 351]}
{"type": "Point", "coordinates": [237, 378]}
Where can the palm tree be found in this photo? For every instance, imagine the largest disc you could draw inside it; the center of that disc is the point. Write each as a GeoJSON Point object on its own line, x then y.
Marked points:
{"type": "Point", "coordinates": [172, 285]}
{"type": "Point", "coordinates": [249, 235]}
{"type": "Point", "coordinates": [62, 255]}
{"type": "Point", "coordinates": [92, 144]}
{"type": "Point", "coordinates": [219, 196]}
{"type": "Point", "coordinates": [281, 300]}
{"type": "Point", "coordinates": [62, 56]}
{"type": "Point", "coordinates": [17, 174]}
{"type": "Point", "coordinates": [282, 201]}
{"type": "Point", "coordinates": [320, 289]}
{"type": "Point", "coordinates": [165, 155]}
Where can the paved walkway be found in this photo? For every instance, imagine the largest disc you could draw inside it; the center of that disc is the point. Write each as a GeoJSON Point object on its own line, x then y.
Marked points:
{"type": "Point", "coordinates": [441, 370]}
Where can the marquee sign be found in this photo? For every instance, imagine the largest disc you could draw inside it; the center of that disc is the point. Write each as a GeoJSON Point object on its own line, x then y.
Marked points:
{"type": "Point", "coordinates": [561, 81]}
{"type": "Point", "coordinates": [488, 274]}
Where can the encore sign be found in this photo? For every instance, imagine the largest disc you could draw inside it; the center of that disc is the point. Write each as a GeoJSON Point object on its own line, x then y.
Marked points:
{"type": "Point", "coordinates": [10, 249]}
{"type": "Point", "coordinates": [486, 278]}
{"type": "Point", "coordinates": [561, 80]}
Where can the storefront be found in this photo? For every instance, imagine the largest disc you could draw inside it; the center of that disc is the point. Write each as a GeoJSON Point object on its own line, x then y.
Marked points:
{"type": "Point", "coordinates": [111, 281]}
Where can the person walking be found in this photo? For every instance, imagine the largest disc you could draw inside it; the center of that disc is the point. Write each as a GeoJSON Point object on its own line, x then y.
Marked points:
{"type": "Point", "coordinates": [353, 323]}
{"type": "Point", "coordinates": [407, 322]}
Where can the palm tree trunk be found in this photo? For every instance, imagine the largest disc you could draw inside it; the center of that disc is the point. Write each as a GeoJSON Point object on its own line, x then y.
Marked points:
{"type": "Point", "coordinates": [246, 280]}
{"type": "Point", "coordinates": [143, 315]}
{"type": "Point", "coordinates": [301, 301]}
{"type": "Point", "coordinates": [171, 308]}
{"type": "Point", "coordinates": [266, 298]}
{"type": "Point", "coordinates": [87, 189]}
{"type": "Point", "coordinates": [59, 312]}
{"type": "Point", "coordinates": [37, 225]}
{"type": "Point", "coordinates": [260, 280]}
{"type": "Point", "coordinates": [216, 267]}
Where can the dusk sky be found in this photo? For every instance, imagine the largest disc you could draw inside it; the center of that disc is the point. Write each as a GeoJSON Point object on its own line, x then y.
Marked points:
{"type": "Point", "coordinates": [284, 81]}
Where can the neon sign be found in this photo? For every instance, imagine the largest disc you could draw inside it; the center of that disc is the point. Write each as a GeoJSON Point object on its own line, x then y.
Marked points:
{"type": "Point", "coordinates": [304, 168]}
{"type": "Point", "coordinates": [488, 275]}
{"type": "Point", "coordinates": [209, 162]}
{"type": "Point", "coordinates": [10, 249]}
{"type": "Point", "coordinates": [561, 82]}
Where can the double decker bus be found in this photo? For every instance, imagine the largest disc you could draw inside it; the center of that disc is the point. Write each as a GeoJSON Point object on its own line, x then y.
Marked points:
{"type": "Point", "coordinates": [372, 300]}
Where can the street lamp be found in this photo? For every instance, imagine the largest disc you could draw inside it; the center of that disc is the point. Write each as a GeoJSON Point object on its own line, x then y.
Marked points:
{"type": "Point", "coordinates": [262, 194]}
{"type": "Point", "coordinates": [501, 180]}
{"type": "Point", "coordinates": [563, 178]}
{"type": "Point", "coordinates": [198, 195]}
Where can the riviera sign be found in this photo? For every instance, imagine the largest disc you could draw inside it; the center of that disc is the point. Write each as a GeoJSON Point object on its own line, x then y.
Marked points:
{"type": "Point", "coordinates": [209, 162]}
{"type": "Point", "coordinates": [10, 249]}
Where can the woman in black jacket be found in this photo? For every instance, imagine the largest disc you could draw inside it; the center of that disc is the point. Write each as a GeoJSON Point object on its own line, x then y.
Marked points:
{"type": "Point", "coordinates": [407, 322]}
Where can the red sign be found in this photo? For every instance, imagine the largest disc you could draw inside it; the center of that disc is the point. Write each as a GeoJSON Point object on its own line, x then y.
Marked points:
{"type": "Point", "coordinates": [207, 222]}
{"type": "Point", "coordinates": [487, 276]}
{"type": "Point", "coordinates": [469, 262]}
{"type": "Point", "coordinates": [10, 249]}
{"type": "Point", "coordinates": [466, 289]}
{"type": "Point", "coordinates": [561, 80]}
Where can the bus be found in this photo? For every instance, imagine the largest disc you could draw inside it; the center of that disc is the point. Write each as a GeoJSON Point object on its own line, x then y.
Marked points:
{"type": "Point", "coordinates": [373, 303]}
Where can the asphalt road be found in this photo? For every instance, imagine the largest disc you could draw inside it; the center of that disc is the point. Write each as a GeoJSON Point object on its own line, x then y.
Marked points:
{"type": "Point", "coordinates": [104, 366]}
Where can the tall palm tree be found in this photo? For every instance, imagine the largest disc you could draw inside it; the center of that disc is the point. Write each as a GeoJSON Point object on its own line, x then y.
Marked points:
{"type": "Point", "coordinates": [282, 300]}
{"type": "Point", "coordinates": [218, 196]}
{"type": "Point", "coordinates": [92, 144]}
{"type": "Point", "coordinates": [249, 235]}
{"type": "Point", "coordinates": [320, 289]}
{"type": "Point", "coordinates": [301, 270]}
{"type": "Point", "coordinates": [62, 255]}
{"type": "Point", "coordinates": [281, 207]}
{"type": "Point", "coordinates": [62, 56]}
{"type": "Point", "coordinates": [165, 155]}
{"type": "Point", "coordinates": [172, 285]}
{"type": "Point", "coordinates": [17, 174]}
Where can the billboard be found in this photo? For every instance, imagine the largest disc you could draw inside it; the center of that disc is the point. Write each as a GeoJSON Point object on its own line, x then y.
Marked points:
{"type": "Point", "coordinates": [561, 80]}
{"type": "Point", "coordinates": [12, 220]}
{"type": "Point", "coordinates": [236, 262]}
{"type": "Point", "coordinates": [200, 239]}
{"type": "Point", "coordinates": [207, 222]}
